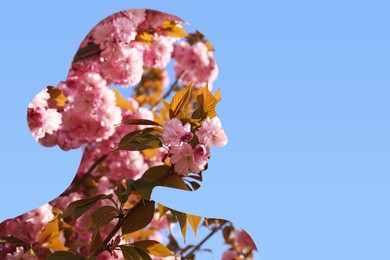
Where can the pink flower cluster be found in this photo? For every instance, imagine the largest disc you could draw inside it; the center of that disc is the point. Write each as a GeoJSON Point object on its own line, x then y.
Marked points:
{"type": "Point", "coordinates": [122, 57]}
{"type": "Point", "coordinates": [120, 164]}
{"type": "Point", "coordinates": [90, 115]}
{"type": "Point", "coordinates": [27, 228]}
{"type": "Point", "coordinates": [196, 62]}
{"type": "Point", "coordinates": [185, 155]}
{"type": "Point", "coordinates": [244, 244]}
{"type": "Point", "coordinates": [41, 119]}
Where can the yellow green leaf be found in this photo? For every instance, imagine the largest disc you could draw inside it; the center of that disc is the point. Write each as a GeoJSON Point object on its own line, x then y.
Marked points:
{"type": "Point", "coordinates": [173, 29]}
{"type": "Point", "coordinates": [209, 46]}
{"type": "Point", "coordinates": [51, 235]}
{"type": "Point", "coordinates": [218, 95]}
{"type": "Point", "coordinates": [210, 102]}
{"type": "Point", "coordinates": [166, 104]}
{"type": "Point", "coordinates": [57, 97]}
{"type": "Point", "coordinates": [182, 218]}
{"type": "Point", "coordinates": [179, 101]}
{"type": "Point", "coordinates": [194, 222]}
{"type": "Point", "coordinates": [145, 37]}
{"type": "Point", "coordinates": [154, 248]}
{"type": "Point", "coordinates": [161, 210]}
{"type": "Point", "coordinates": [122, 103]}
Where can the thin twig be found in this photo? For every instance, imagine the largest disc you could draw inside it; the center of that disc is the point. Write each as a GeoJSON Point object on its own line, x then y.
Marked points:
{"type": "Point", "coordinates": [202, 242]}
{"type": "Point", "coordinates": [105, 246]}
{"type": "Point", "coordinates": [171, 88]}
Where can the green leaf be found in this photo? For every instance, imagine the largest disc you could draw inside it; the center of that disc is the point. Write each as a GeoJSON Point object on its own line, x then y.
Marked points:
{"type": "Point", "coordinates": [64, 255]}
{"type": "Point", "coordinates": [153, 247]}
{"type": "Point", "coordinates": [173, 245]}
{"type": "Point", "coordinates": [96, 241]}
{"type": "Point", "coordinates": [194, 222]}
{"type": "Point", "coordinates": [132, 253]}
{"type": "Point", "coordinates": [121, 193]}
{"type": "Point", "coordinates": [79, 207]}
{"type": "Point", "coordinates": [138, 217]}
{"type": "Point", "coordinates": [179, 101]}
{"type": "Point", "coordinates": [143, 187]}
{"type": "Point", "coordinates": [101, 217]}
{"type": "Point", "coordinates": [162, 175]}
{"type": "Point", "coordinates": [140, 122]}
{"type": "Point", "coordinates": [147, 138]}
{"type": "Point", "coordinates": [12, 240]}
{"type": "Point", "coordinates": [182, 218]}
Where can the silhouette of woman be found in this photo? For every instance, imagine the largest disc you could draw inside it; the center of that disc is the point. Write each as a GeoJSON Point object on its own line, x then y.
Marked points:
{"type": "Point", "coordinates": [130, 146]}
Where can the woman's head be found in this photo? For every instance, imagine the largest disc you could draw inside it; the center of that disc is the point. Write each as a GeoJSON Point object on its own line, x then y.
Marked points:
{"type": "Point", "coordinates": [145, 55]}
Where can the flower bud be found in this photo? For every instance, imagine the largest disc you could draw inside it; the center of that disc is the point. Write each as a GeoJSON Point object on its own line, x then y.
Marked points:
{"type": "Point", "coordinates": [186, 137]}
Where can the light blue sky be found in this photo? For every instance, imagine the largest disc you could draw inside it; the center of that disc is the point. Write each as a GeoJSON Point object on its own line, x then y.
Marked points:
{"type": "Point", "coordinates": [305, 103]}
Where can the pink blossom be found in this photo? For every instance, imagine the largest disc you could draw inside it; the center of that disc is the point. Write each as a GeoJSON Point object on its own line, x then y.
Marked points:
{"type": "Point", "coordinates": [124, 30]}
{"type": "Point", "coordinates": [157, 224]}
{"type": "Point", "coordinates": [91, 113]}
{"type": "Point", "coordinates": [20, 254]}
{"type": "Point", "coordinates": [229, 255]}
{"type": "Point", "coordinates": [173, 131]}
{"type": "Point", "coordinates": [28, 226]}
{"type": "Point", "coordinates": [42, 121]}
{"type": "Point", "coordinates": [137, 16]}
{"type": "Point", "coordinates": [159, 53]}
{"type": "Point", "coordinates": [103, 33]}
{"type": "Point", "coordinates": [40, 100]}
{"type": "Point", "coordinates": [211, 133]}
{"type": "Point", "coordinates": [40, 118]}
{"type": "Point", "coordinates": [245, 241]}
{"type": "Point", "coordinates": [186, 159]}
{"type": "Point", "coordinates": [197, 62]}
{"type": "Point", "coordinates": [127, 69]}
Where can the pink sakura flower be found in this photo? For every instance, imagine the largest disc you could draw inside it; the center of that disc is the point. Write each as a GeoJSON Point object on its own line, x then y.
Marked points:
{"type": "Point", "coordinates": [40, 119]}
{"type": "Point", "coordinates": [187, 159]}
{"type": "Point", "coordinates": [91, 113]}
{"type": "Point", "coordinates": [211, 133]}
{"type": "Point", "coordinates": [159, 53]}
{"type": "Point", "coordinates": [174, 131]}
{"type": "Point", "coordinates": [20, 253]}
{"type": "Point", "coordinates": [40, 100]}
{"type": "Point", "coordinates": [127, 67]}
{"type": "Point", "coordinates": [124, 30]}
{"type": "Point", "coordinates": [197, 62]}
{"type": "Point", "coordinates": [103, 34]}
{"type": "Point", "coordinates": [229, 255]}
{"type": "Point", "coordinates": [137, 16]}
{"type": "Point", "coordinates": [245, 241]}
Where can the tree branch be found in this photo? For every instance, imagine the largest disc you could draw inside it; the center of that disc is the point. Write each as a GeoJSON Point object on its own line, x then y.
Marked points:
{"type": "Point", "coordinates": [76, 183]}
{"type": "Point", "coordinates": [202, 242]}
